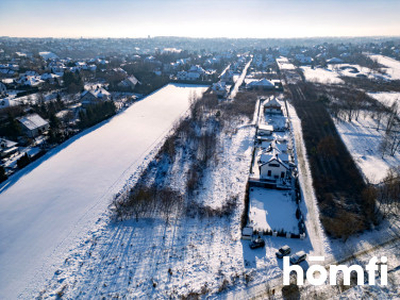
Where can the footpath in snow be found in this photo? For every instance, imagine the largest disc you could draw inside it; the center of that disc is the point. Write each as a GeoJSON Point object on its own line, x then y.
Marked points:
{"type": "Point", "coordinates": [45, 208]}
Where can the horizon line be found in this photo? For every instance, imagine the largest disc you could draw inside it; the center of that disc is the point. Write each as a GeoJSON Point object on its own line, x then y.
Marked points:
{"type": "Point", "coordinates": [205, 38]}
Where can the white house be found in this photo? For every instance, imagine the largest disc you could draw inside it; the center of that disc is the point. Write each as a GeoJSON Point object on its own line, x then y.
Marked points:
{"type": "Point", "coordinates": [272, 167]}
{"type": "Point", "coordinates": [51, 78]}
{"type": "Point", "coordinates": [220, 89]}
{"type": "Point", "coordinates": [263, 84]}
{"type": "Point", "coordinates": [194, 73]}
{"type": "Point", "coordinates": [33, 125]}
{"type": "Point", "coordinates": [272, 106]}
{"type": "Point", "coordinates": [303, 59]}
{"type": "Point", "coordinates": [94, 96]}
{"type": "Point", "coordinates": [272, 149]}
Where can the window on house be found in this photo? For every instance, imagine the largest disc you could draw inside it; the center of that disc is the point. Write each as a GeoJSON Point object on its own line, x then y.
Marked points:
{"type": "Point", "coordinates": [269, 172]}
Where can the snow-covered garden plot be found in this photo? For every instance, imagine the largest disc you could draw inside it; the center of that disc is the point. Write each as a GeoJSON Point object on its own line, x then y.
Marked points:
{"type": "Point", "coordinates": [363, 140]}
{"type": "Point", "coordinates": [392, 66]}
{"type": "Point", "coordinates": [272, 210]}
{"type": "Point", "coordinates": [321, 75]}
{"type": "Point", "coordinates": [278, 121]}
{"type": "Point", "coordinates": [48, 205]}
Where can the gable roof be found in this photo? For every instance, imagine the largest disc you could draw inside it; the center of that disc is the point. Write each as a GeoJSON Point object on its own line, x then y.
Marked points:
{"type": "Point", "coordinates": [262, 82]}
{"type": "Point", "coordinates": [272, 102]}
{"type": "Point", "coordinates": [272, 158]}
{"type": "Point", "coordinates": [7, 143]}
{"type": "Point", "coordinates": [133, 80]}
{"type": "Point", "coordinates": [98, 93]}
{"type": "Point", "coordinates": [32, 121]}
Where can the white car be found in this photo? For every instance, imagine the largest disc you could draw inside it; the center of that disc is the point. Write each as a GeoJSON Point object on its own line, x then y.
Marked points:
{"type": "Point", "coordinates": [298, 257]}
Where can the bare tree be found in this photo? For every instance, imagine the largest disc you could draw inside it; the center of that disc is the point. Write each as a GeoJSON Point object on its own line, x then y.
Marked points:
{"type": "Point", "coordinates": [389, 194]}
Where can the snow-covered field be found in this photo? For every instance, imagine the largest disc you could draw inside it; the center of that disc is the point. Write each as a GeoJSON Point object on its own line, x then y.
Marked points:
{"type": "Point", "coordinates": [321, 75]}
{"type": "Point", "coordinates": [387, 98]}
{"type": "Point", "coordinates": [362, 140]}
{"type": "Point", "coordinates": [47, 206]}
{"type": "Point", "coordinates": [272, 210]}
{"type": "Point", "coordinates": [392, 65]}
{"type": "Point", "coordinates": [353, 70]}
{"type": "Point", "coordinates": [284, 64]}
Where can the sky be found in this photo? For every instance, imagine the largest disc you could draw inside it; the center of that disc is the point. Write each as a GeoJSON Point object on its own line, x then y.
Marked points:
{"type": "Point", "coordinates": [199, 18]}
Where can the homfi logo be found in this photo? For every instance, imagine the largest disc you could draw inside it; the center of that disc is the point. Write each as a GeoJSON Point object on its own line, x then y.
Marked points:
{"type": "Point", "coordinates": [317, 274]}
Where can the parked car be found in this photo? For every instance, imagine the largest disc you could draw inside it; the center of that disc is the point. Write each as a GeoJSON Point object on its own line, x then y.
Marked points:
{"type": "Point", "coordinates": [257, 243]}
{"type": "Point", "coordinates": [298, 257]}
{"type": "Point", "coordinates": [285, 250]}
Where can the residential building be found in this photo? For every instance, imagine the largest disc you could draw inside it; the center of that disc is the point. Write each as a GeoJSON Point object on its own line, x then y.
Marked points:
{"type": "Point", "coordinates": [33, 125]}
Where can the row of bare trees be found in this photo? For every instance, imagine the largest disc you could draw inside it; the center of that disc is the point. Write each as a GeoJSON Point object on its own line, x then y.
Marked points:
{"type": "Point", "coordinates": [147, 201]}
{"type": "Point", "coordinates": [195, 139]}
{"type": "Point", "coordinates": [388, 194]}
{"type": "Point", "coordinates": [390, 143]}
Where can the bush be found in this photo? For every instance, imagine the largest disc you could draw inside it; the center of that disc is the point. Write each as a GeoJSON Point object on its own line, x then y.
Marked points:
{"type": "Point", "coordinates": [3, 175]}
{"type": "Point", "coordinates": [96, 113]}
{"type": "Point", "coordinates": [23, 161]}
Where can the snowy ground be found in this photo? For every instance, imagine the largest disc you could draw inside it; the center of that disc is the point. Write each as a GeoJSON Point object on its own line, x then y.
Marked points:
{"type": "Point", "coordinates": [284, 64]}
{"type": "Point", "coordinates": [278, 121]}
{"type": "Point", "coordinates": [321, 75]}
{"type": "Point", "coordinates": [186, 256]}
{"type": "Point", "coordinates": [362, 140]}
{"type": "Point", "coordinates": [272, 210]}
{"type": "Point", "coordinates": [387, 98]}
{"type": "Point", "coordinates": [353, 70]}
{"type": "Point", "coordinates": [392, 65]}
{"type": "Point", "coordinates": [239, 81]}
{"type": "Point", "coordinates": [47, 206]}
{"type": "Point", "coordinates": [155, 259]}
{"type": "Point", "coordinates": [288, 70]}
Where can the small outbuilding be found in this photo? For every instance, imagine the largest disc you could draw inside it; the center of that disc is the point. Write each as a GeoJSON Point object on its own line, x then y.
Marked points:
{"type": "Point", "coordinates": [7, 147]}
{"type": "Point", "coordinates": [264, 129]}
